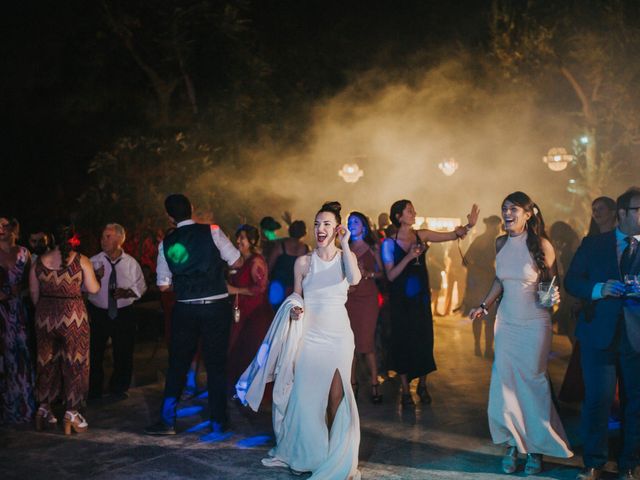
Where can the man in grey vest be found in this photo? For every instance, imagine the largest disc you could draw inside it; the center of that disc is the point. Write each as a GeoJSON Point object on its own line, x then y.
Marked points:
{"type": "Point", "coordinates": [192, 260]}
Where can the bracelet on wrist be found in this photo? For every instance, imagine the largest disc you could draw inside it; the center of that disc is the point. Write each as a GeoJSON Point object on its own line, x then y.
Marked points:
{"type": "Point", "coordinates": [484, 308]}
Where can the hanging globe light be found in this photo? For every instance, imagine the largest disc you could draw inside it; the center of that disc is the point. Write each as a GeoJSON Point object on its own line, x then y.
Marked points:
{"type": "Point", "coordinates": [448, 166]}
{"type": "Point", "coordinates": [350, 172]}
{"type": "Point", "coordinates": [557, 159]}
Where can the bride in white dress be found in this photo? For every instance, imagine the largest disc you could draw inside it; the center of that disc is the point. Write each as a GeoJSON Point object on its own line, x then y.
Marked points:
{"type": "Point", "coordinates": [521, 413]}
{"type": "Point", "coordinates": [319, 431]}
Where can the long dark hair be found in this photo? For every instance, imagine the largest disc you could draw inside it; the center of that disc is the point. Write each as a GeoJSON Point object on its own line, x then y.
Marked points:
{"type": "Point", "coordinates": [332, 207]}
{"type": "Point", "coordinates": [396, 211]}
{"type": "Point", "coordinates": [610, 203]}
{"type": "Point", "coordinates": [253, 236]}
{"type": "Point", "coordinates": [535, 229]}
{"type": "Point", "coordinates": [63, 232]}
{"type": "Point", "coordinates": [368, 234]}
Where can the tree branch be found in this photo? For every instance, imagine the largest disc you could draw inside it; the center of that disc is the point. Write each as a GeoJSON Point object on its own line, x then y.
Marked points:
{"type": "Point", "coordinates": [586, 103]}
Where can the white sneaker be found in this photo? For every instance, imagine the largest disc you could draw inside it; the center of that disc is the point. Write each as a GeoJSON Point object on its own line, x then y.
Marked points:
{"type": "Point", "coordinates": [273, 462]}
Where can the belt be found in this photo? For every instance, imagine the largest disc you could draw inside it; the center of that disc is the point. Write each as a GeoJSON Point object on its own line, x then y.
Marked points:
{"type": "Point", "coordinates": [201, 302]}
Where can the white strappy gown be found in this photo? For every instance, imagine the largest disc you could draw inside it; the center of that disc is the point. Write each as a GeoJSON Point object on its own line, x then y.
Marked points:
{"type": "Point", "coordinates": [327, 346]}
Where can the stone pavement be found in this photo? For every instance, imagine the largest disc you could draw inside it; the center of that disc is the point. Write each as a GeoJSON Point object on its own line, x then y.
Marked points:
{"type": "Point", "coordinates": [446, 440]}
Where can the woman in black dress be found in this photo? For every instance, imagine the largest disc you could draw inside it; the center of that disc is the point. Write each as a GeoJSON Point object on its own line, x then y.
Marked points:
{"type": "Point", "coordinates": [403, 256]}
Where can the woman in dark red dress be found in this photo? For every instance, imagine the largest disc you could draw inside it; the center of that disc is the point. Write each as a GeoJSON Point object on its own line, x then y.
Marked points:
{"type": "Point", "coordinates": [248, 290]}
{"type": "Point", "coordinates": [362, 301]}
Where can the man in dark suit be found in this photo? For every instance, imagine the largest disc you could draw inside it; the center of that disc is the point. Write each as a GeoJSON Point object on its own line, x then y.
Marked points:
{"type": "Point", "coordinates": [191, 261]}
{"type": "Point", "coordinates": [609, 334]}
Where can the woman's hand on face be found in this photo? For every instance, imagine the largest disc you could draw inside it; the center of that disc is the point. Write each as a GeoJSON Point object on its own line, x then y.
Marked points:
{"type": "Point", "coordinates": [476, 313]}
{"type": "Point", "coordinates": [472, 218]}
{"type": "Point", "coordinates": [296, 313]}
{"type": "Point", "coordinates": [343, 234]}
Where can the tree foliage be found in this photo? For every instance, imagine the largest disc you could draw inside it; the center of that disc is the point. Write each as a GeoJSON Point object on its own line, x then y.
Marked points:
{"type": "Point", "coordinates": [592, 46]}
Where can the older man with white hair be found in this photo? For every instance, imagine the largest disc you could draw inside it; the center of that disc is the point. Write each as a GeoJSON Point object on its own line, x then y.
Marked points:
{"type": "Point", "coordinates": [110, 311]}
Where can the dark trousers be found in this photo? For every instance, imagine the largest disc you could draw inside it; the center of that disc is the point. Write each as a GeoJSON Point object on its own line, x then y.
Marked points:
{"type": "Point", "coordinates": [122, 331]}
{"type": "Point", "coordinates": [599, 371]}
{"type": "Point", "coordinates": [188, 323]}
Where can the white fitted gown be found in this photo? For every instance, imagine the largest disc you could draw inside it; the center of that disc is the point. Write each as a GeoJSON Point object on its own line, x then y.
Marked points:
{"type": "Point", "coordinates": [327, 345]}
{"type": "Point", "coordinates": [521, 412]}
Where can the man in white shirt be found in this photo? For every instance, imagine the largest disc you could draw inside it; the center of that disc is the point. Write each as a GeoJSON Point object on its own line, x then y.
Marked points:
{"type": "Point", "coordinates": [192, 260]}
{"type": "Point", "coordinates": [110, 311]}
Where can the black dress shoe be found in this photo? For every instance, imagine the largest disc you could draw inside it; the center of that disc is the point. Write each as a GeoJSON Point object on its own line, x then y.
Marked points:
{"type": "Point", "coordinates": [160, 428]}
{"type": "Point", "coordinates": [630, 474]}
{"type": "Point", "coordinates": [590, 474]}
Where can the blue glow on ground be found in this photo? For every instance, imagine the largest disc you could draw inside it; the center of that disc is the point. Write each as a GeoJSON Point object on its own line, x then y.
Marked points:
{"type": "Point", "coordinates": [276, 293]}
{"type": "Point", "coordinates": [216, 437]}
{"type": "Point", "coordinates": [189, 411]}
{"type": "Point", "coordinates": [200, 426]}
{"type": "Point", "coordinates": [256, 441]}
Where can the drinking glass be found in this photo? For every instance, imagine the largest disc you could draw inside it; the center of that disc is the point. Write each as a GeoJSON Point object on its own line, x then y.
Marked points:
{"type": "Point", "coordinates": [418, 248]}
{"type": "Point", "coordinates": [631, 285]}
{"type": "Point", "coordinates": [545, 294]}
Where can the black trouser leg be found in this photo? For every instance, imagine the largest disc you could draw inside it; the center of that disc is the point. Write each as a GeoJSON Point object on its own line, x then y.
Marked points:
{"type": "Point", "coordinates": [215, 325]}
{"type": "Point", "coordinates": [99, 335]}
{"type": "Point", "coordinates": [184, 341]}
{"type": "Point", "coordinates": [123, 341]}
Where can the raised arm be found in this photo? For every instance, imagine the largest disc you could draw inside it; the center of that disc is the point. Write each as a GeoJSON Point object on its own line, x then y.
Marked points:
{"type": "Point", "coordinates": [89, 281]}
{"type": "Point", "coordinates": [427, 235]}
{"type": "Point", "coordinates": [349, 259]}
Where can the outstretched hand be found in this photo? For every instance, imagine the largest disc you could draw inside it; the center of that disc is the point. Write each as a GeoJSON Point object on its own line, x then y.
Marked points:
{"type": "Point", "coordinates": [472, 218]}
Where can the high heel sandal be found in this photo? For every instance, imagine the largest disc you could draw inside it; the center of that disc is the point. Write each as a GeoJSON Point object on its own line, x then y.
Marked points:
{"type": "Point", "coordinates": [75, 421]}
{"type": "Point", "coordinates": [423, 393]}
{"type": "Point", "coordinates": [534, 464]}
{"type": "Point", "coordinates": [510, 460]}
{"type": "Point", "coordinates": [356, 388]}
{"type": "Point", "coordinates": [45, 418]}
{"type": "Point", "coordinates": [376, 397]}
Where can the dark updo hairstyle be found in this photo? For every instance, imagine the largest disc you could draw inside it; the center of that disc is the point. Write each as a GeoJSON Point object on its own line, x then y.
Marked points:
{"type": "Point", "coordinates": [610, 203]}
{"type": "Point", "coordinates": [396, 211]}
{"type": "Point", "coordinates": [63, 232]}
{"type": "Point", "coordinates": [332, 207]}
{"type": "Point", "coordinates": [368, 235]}
{"type": "Point", "coordinates": [297, 229]}
{"type": "Point", "coordinates": [253, 235]}
{"type": "Point", "coordinates": [535, 229]}
{"type": "Point", "coordinates": [178, 207]}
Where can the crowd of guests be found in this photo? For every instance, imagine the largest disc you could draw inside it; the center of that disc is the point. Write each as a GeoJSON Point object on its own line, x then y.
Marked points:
{"type": "Point", "coordinates": [384, 281]}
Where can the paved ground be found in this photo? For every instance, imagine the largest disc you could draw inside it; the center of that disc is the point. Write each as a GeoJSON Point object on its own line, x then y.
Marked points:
{"type": "Point", "coordinates": [447, 440]}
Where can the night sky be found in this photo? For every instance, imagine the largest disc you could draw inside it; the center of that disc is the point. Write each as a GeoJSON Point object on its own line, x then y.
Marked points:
{"type": "Point", "coordinates": [256, 68]}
